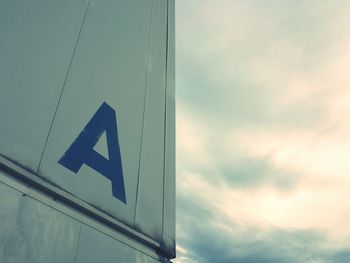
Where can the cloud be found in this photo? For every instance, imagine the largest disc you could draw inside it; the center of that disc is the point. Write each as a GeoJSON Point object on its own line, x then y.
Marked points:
{"type": "Point", "coordinates": [222, 161]}
{"type": "Point", "coordinates": [340, 256]}
{"type": "Point", "coordinates": [251, 173]}
{"type": "Point", "coordinates": [262, 132]}
{"type": "Point", "coordinates": [209, 237]}
{"type": "Point", "coordinates": [246, 63]}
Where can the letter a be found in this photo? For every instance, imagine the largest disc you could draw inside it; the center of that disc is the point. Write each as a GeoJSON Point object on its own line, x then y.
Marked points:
{"type": "Point", "coordinates": [81, 151]}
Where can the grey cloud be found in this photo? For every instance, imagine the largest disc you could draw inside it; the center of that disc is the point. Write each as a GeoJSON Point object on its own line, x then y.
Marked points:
{"type": "Point", "coordinates": [252, 173]}
{"type": "Point", "coordinates": [237, 101]}
{"type": "Point", "coordinates": [216, 98]}
{"type": "Point", "coordinates": [245, 173]}
{"type": "Point", "coordinates": [206, 243]}
{"type": "Point", "coordinates": [219, 84]}
{"type": "Point", "coordinates": [340, 256]}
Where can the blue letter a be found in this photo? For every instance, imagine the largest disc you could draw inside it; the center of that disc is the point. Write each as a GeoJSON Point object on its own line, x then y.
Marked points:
{"type": "Point", "coordinates": [81, 151]}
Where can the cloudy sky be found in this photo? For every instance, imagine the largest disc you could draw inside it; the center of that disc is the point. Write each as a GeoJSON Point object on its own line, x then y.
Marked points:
{"type": "Point", "coordinates": [263, 131]}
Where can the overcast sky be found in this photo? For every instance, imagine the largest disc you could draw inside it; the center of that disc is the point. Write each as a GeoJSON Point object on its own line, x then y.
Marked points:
{"type": "Point", "coordinates": [263, 131]}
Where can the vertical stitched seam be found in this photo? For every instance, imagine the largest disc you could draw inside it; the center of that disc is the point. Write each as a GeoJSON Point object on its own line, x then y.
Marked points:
{"type": "Point", "coordinates": [165, 118]}
{"type": "Point", "coordinates": [144, 109]}
{"type": "Point", "coordinates": [64, 85]}
{"type": "Point", "coordinates": [76, 251]}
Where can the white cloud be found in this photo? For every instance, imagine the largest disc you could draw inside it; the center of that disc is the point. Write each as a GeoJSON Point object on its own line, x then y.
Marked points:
{"type": "Point", "coordinates": [282, 70]}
